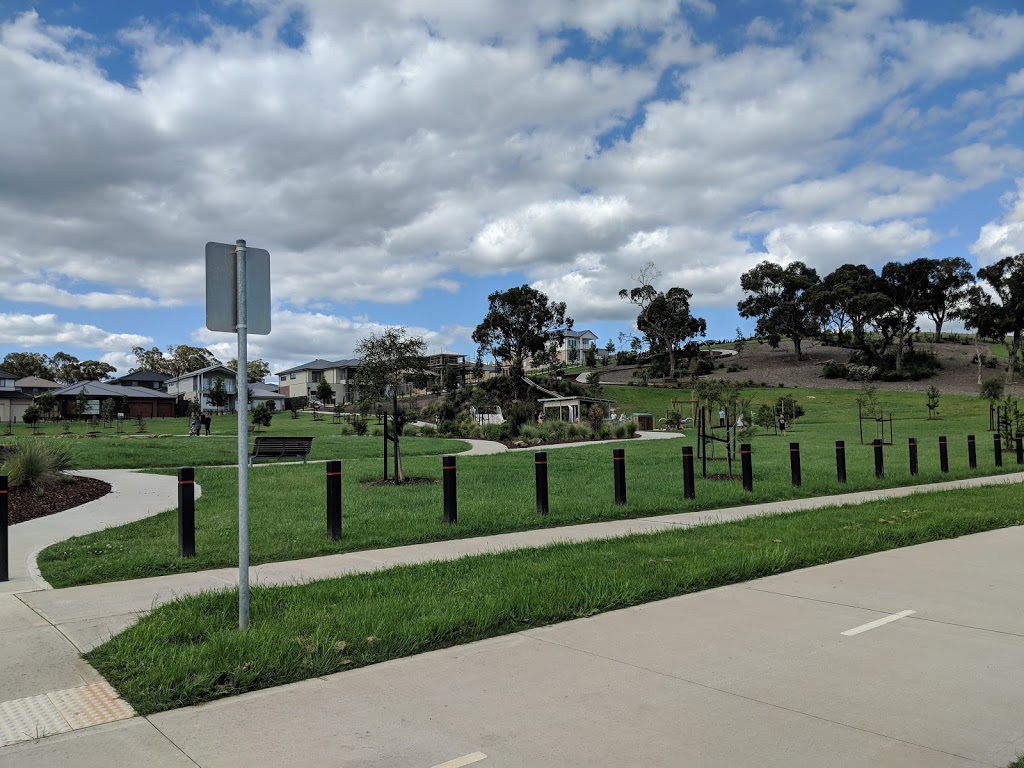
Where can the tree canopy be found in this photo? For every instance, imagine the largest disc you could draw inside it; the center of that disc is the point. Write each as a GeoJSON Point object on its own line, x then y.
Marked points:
{"type": "Point", "coordinates": [518, 324]}
{"type": "Point", "coordinates": [781, 300]}
{"type": "Point", "coordinates": [258, 369]}
{"type": "Point", "coordinates": [997, 314]}
{"type": "Point", "coordinates": [664, 318]}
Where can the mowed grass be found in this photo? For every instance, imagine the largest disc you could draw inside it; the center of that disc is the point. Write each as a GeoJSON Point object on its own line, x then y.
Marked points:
{"type": "Point", "coordinates": [191, 651]}
{"type": "Point", "coordinates": [495, 495]}
{"type": "Point", "coordinates": [175, 448]}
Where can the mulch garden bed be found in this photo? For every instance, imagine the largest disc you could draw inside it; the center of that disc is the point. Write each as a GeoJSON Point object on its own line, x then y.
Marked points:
{"type": "Point", "coordinates": [25, 504]}
{"type": "Point", "coordinates": [407, 481]}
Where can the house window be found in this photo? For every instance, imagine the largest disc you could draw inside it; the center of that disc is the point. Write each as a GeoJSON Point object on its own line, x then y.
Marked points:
{"type": "Point", "coordinates": [293, 377]}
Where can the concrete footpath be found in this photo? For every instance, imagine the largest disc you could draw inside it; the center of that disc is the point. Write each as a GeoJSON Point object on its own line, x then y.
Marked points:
{"type": "Point", "coordinates": [438, 702]}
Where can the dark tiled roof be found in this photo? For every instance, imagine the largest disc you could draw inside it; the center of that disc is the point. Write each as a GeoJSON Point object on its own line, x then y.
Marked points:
{"type": "Point", "coordinates": [103, 389]}
{"type": "Point", "coordinates": [6, 375]}
{"type": "Point", "coordinates": [142, 376]}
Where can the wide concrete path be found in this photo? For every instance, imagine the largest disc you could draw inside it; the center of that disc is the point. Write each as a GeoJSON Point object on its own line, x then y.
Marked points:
{"type": "Point", "coordinates": [43, 631]}
{"type": "Point", "coordinates": [912, 657]}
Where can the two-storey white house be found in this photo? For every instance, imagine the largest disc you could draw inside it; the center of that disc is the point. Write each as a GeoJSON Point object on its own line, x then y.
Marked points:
{"type": "Point", "coordinates": [195, 386]}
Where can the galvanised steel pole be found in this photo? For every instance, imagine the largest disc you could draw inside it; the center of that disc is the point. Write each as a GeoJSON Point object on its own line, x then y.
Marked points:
{"type": "Point", "coordinates": [242, 405]}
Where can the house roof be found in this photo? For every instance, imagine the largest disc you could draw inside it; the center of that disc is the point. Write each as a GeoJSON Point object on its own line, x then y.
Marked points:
{"type": "Point", "coordinates": [6, 375]}
{"type": "Point", "coordinates": [264, 390]}
{"type": "Point", "coordinates": [322, 365]}
{"type": "Point", "coordinates": [201, 371]}
{"type": "Point", "coordinates": [103, 389]}
{"type": "Point", "coordinates": [7, 393]}
{"type": "Point", "coordinates": [38, 383]}
{"type": "Point", "coordinates": [142, 375]}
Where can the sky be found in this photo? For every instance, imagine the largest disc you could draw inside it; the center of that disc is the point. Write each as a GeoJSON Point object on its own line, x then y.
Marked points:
{"type": "Point", "coordinates": [403, 159]}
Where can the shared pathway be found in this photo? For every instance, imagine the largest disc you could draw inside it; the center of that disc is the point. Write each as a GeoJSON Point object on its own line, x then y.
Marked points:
{"type": "Point", "coordinates": [944, 688]}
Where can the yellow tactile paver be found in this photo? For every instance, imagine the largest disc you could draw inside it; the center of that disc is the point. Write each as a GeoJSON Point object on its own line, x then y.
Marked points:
{"type": "Point", "coordinates": [35, 717]}
{"type": "Point", "coordinates": [91, 705]}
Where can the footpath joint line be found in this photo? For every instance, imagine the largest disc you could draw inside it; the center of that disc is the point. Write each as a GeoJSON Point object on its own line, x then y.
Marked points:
{"type": "Point", "coordinates": [877, 623]}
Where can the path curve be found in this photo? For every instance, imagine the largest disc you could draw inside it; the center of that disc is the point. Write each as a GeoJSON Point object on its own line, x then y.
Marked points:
{"type": "Point", "coordinates": [133, 496]}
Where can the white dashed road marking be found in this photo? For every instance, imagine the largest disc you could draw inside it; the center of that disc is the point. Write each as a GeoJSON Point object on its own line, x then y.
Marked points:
{"type": "Point", "coordinates": [877, 623]}
{"type": "Point", "coordinates": [458, 762]}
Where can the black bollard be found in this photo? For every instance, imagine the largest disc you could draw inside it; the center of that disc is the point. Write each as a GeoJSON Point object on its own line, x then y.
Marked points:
{"type": "Point", "coordinates": [997, 444]}
{"type": "Point", "coordinates": [972, 452]}
{"type": "Point", "coordinates": [334, 500]}
{"type": "Point", "coordinates": [943, 454]}
{"type": "Point", "coordinates": [451, 504]}
{"type": "Point", "coordinates": [794, 463]}
{"type": "Point", "coordinates": [540, 462]}
{"type": "Point", "coordinates": [4, 522]}
{"type": "Point", "coordinates": [912, 444]}
{"type": "Point", "coordinates": [1020, 447]}
{"type": "Point", "coordinates": [186, 511]}
{"type": "Point", "coordinates": [841, 461]}
{"type": "Point", "coordinates": [689, 492]}
{"type": "Point", "coordinates": [745, 468]}
{"type": "Point", "coordinates": [619, 468]}
{"type": "Point", "coordinates": [879, 467]}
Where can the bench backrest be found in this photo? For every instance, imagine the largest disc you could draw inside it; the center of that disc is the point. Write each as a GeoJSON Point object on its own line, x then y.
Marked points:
{"type": "Point", "coordinates": [261, 444]}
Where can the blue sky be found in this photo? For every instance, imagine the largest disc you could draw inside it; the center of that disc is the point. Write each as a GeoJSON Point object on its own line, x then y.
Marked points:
{"type": "Point", "coordinates": [401, 161]}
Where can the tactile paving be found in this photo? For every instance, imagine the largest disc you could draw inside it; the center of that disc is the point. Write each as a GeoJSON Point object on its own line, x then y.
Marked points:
{"type": "Point", "coordinates": [90, 705]}
{"type": "Point", "coordinates": [30, 718]}
{"type": "Point", "coordinates": [35, 717]}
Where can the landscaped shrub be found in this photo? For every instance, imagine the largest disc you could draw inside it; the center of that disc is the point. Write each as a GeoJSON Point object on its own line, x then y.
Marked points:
{"type": "Point", "coordinates": [36, 464]}
{"type": "Point", "coordinates": [516, 415]}
{"type": "Point", "coordinates": [630, 428]}
{"type": "Point", "coordinates": [428, 430]}
{"type": "Point", "coordinates": [347, 429]}
{"type": "Point", "coordinates": [834, 370]}
{"type": "Point", "coordinates": [620, 431]}
{"type": "Point", "coordinates": [410, 430]}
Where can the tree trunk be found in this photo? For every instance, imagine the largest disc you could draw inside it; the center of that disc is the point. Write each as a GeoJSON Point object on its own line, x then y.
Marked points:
{"type": "Point", "coordinates": [672, 362]}
{"type": "Point", "coordinates": [978, 357]}
{"type": "Point", "coordinates": [797, 349]}
{"type": "Point", "coordinates": [938, 331]}
{"type": "Point", "coordinates": [1013, 348]}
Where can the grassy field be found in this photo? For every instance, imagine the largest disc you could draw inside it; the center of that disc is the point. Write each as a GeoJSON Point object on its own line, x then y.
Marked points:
{"type": "Point", "coordinates": [191, 651]}
{"type": "Point", "coordinates": [168, 444]}
{"type": "Point", "coordinates": [496, 493]}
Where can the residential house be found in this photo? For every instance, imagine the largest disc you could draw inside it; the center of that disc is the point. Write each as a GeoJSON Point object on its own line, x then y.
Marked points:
{"type": "Point", "coordinates": [195, 387]}
{"type": "Point", "coordinates": [13, 401]}
{"type": "Point", "coordinates": [303, 380]}
{"type": "Point", "coordinates": [35, 386]}
{"type": "Point", "coordinates": [143, 378]}
{"type": "Point", "coordinates": [141, 401]}
{"type": "Point", "coordinates": [266, 393]}
{"type": "Point", "coordinates": [572, 345]}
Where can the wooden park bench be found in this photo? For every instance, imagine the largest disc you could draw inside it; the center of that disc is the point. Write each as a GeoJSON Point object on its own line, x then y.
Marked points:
{"type": "Point", "coordinates": [281, 448]}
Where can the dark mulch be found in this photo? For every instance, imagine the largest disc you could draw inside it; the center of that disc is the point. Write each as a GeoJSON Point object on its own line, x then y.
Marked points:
{"type": "Point", "coordinates": [24, 504]}
{"type": "Point", "coordinates": [407, 481]}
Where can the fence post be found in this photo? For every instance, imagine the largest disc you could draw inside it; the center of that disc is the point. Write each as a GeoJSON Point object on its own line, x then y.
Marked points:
{"type": "Point", "coordinates": [4, 522]}
{"type": "Point", "coordinates": [943, 454]}
{"type": "Point", "coordinates": [912, 447]}
{"type": "Point", "coordinates": [879, 466]}
{"type": "Point", "coordinates": [334, 500]}
{"type": "Point", "coordinates": [997, 441]}
{"type": "Point", "coordinates": [186, 511]}
{"type": "Point", "coordinates": [1020, 447]}
{"type": "Point", "coordinates": [794, 464]}
{"type": "Point", "coordinates": [540, 462]}
{"type": "Point", "coordinates": [451, 504]}
{"type": "Point", "coordinates": [841, 461]}
{"type": "Point", "coordinates": [745, 468]}
{"type": "Point", "coordinates": [689, 492]}
{"type": "Point", "coordinates": [972, 452]}
{"type": "Point", "coordinates": [619, 469]}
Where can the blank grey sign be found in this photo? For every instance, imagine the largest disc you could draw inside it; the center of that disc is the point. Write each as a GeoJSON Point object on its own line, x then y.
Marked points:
{"type": "Point", "coordinates": [222, 289]}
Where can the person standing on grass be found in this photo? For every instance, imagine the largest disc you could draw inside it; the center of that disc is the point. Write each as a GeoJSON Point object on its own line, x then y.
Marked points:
{"type": "Point", "coordinates": [206, 423]}
{"type": "Point", "coordinates": [782, 424]}
{"type": "Point", "coordinates": [195, 425]}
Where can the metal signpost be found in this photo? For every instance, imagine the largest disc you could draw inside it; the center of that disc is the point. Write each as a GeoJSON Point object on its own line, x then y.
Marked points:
{"type": "Point", "coordinates": [238, 301]}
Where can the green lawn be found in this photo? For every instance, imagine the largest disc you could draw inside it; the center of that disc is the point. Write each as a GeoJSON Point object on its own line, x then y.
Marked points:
{"type": "Point", "coordinates": [191, 651]}
{"type": "Point", "coordinates": [496, 493]}
{"type": "Point", "coordinates": [168, 444]}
